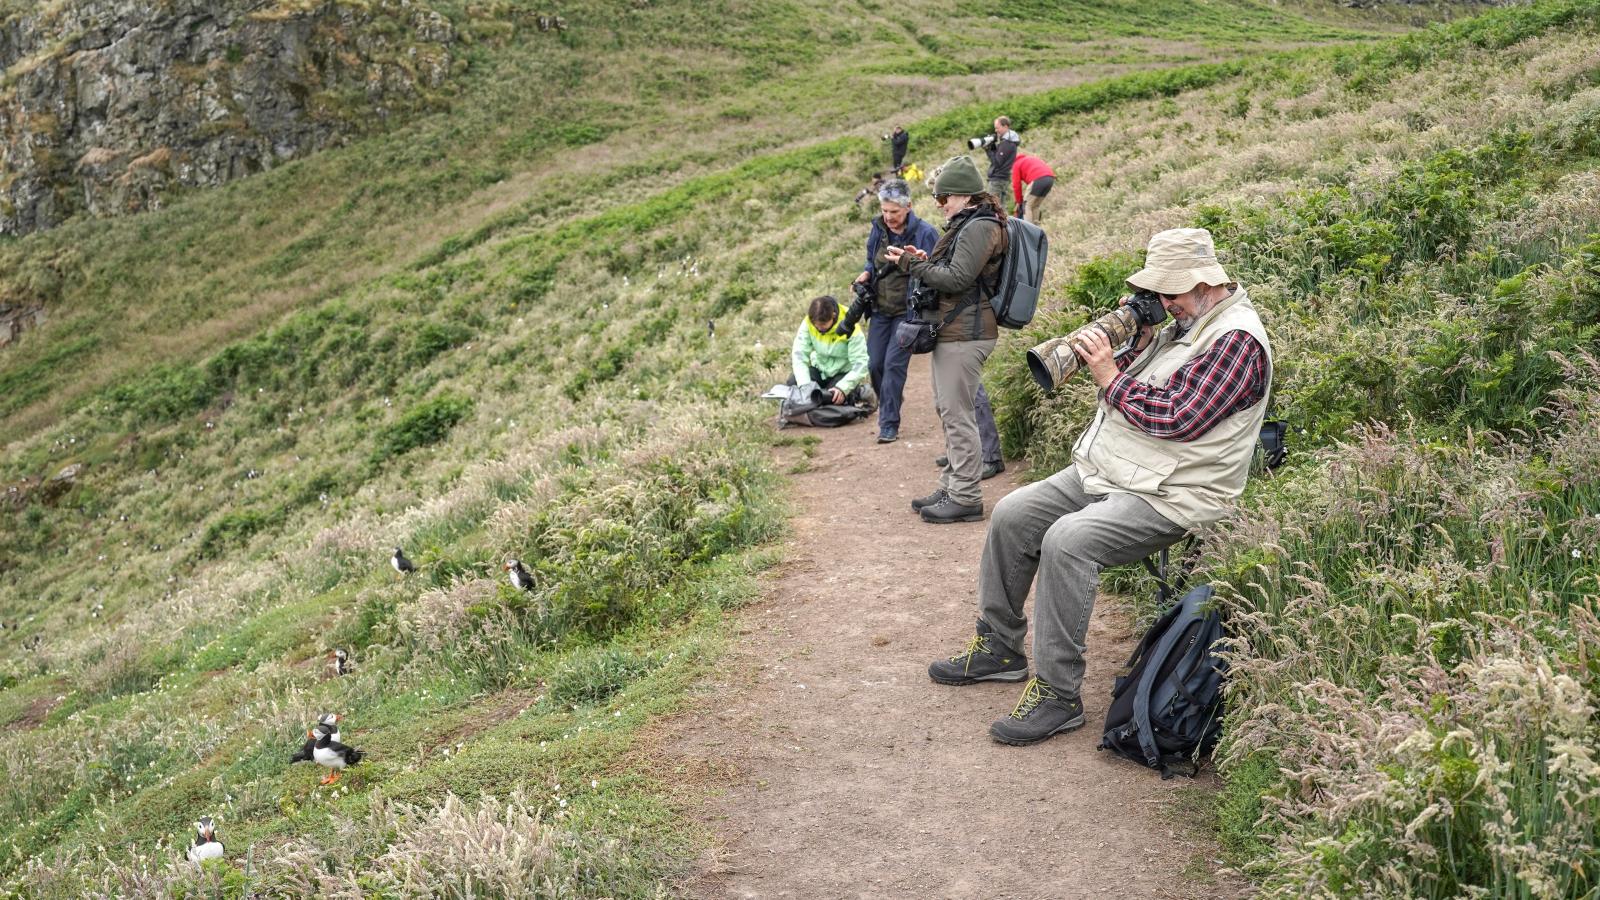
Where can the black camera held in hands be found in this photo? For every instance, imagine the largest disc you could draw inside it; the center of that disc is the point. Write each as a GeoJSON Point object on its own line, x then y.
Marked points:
{"type": "Point", "coordinates": [861, 307]}
{"type": "Point", "coordinates": [1055, 360]}
{"type": "Point", "coordinates": [1147, 306]}
{"type": "Point", "coordinates": [977, 142]}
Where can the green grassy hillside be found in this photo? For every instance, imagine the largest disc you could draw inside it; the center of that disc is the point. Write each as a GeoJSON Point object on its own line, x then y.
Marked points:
{"type": "Point", "coordinates": [1414, 685]}
{"type": "Point", "coordinates": [484, 336]}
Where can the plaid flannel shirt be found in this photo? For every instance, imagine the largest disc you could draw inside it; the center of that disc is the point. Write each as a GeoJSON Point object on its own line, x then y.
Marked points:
{"type": "Point", "coordinates": [1228, 377]}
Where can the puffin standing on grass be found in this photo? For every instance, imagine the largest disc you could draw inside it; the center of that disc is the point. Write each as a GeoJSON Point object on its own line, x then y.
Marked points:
{"type": "Point", "coordinates": [400, 563]}
{"type": "Point", "coordinates": [206, 846]}
{"type": "Point", "coordinates": [521, 578]}
{"type": "Point", "coordinates": [332, 754]}
{"type": "Point", "coordinates": [327, 723]}
{"type": "Point", "coordinates": [339, 662]}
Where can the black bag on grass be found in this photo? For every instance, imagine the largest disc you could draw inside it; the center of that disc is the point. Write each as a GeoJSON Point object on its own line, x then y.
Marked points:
{"type": "Point", "coordinates": [1166, 711]}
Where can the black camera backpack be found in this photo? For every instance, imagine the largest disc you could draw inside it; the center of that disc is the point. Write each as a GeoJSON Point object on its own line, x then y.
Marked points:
{"type": "Point", "coordinates": [1166, 711]}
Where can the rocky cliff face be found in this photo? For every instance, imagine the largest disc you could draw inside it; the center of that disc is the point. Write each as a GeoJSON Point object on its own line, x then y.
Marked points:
{"type": "Point", "coordinates": [107, 105]}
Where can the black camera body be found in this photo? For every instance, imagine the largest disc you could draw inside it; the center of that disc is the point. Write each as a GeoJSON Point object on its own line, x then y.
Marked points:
{"type": "Point", "coordinates": [861, 307]}
{"type": "Point", "coordinates": [1146, 305]}
{"type": "Point", "coordinates": [923, 298]}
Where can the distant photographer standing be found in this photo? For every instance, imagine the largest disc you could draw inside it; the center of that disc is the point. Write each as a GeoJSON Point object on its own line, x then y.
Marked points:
{"type": "Point", "coordinates": [961, 272]}
{"type": "Point", "coordinates": [1167, 454]}
{"type": "Point", "coordinates": [1002, 153]}
{"type": "Point", "coordinates": [898, 141]}
{"type": "Point", "coordinates": [885, 287]}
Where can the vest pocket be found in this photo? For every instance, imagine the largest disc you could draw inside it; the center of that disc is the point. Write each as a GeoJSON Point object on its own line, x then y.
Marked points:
{"type": "Point", "coordinates": [1136, 466]}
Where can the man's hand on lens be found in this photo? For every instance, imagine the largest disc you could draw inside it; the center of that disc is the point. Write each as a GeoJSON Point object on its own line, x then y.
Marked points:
{"type": "Point", "coordinates": [836, 395]}
{"type": "Point", "coordinates": [1094, 348]}
{"type": "Point", "coordinates": [862, 278]}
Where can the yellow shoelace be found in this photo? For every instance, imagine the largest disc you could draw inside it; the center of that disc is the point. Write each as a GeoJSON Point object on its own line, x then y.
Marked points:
{"type": "Point", "coordinates": [976, 645]}
{"type": "Point", "coordinates": [1034, 693]}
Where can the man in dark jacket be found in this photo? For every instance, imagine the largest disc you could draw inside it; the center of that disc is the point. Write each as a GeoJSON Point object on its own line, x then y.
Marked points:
{"type": "Point", "coordinates": [964, 270]}
{"type": "Point", "coordinates": [1002, 153]}
{"type": "Point", "coordinates": [897, 145]}
{"type": "Point", "coordinates": [897, 225]}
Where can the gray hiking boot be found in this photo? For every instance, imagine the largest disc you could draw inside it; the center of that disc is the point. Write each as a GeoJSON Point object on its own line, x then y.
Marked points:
{"type": "Point", "coordinates": [947, 511]}
{"type": "Point", "coordinates": [933, 499]}
{"type": "Point", "coordinates": [1039, 714]}
{"type": "Point", "coordinates": [984, 659]}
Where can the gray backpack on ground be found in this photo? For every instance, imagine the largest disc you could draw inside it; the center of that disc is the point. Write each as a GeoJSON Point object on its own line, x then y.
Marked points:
{"type": "Point", "coordinates": [1021, 274]}
{"type": "Point", "coordinates": [1166, 709]}
{"type": "Point", "coordinates": [804, 406]}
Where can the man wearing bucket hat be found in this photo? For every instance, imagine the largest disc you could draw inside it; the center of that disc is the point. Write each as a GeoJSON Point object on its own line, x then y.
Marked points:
{"type": "Point", "coordinates": [1167, 454]}
{"type": "Point", "coordinates": [963, 269]}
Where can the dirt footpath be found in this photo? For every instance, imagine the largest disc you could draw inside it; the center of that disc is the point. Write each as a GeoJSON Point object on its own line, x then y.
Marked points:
{"type": "Point", "coordinates": [858, 777]}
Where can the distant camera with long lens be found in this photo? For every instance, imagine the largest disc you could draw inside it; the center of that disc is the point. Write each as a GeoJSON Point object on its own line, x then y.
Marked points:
{"type": "Point", "coordinates": [977, 142]}
{"type": "Point", "coordinates": [1054, 361]}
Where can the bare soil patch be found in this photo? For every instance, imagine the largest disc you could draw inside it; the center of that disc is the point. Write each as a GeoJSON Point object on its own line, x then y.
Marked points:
{"type": "Point", "coordinates": [856, 775]}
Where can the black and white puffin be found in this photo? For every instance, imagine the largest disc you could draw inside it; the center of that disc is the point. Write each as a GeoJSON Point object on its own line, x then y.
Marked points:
{"type": "Point", "coordinates": [327, 723]}
{"type": "Point", "coordinates": [400, 563]}
{"type": "Point", "coordinates": [332, 754]}
{"type": "Point", "coordinates": [521, 578]}
{"type": "Point", "coordinates": [206, 845]}
{"type": "Point", "coordinates": [339, 662]}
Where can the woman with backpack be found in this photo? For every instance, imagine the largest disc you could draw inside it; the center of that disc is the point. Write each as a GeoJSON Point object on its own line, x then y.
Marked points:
{"type": "Point", "coordinates": [962, 271]}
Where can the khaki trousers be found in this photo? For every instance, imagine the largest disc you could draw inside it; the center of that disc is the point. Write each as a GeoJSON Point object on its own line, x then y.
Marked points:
{"type": "Point", "coordinates": [1033, 206]}
{"type": "Point", "coordinates": [1054, 529]}
{"type": "Point", "coordinates": [957, 369]}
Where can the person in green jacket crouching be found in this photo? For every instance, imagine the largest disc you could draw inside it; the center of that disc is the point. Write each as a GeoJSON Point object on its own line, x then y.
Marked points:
{"type": "Point", "coordinates": [833, 360]}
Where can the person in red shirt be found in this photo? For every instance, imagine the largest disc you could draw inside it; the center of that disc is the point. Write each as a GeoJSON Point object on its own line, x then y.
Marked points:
{"type": "Point", "coordinates": [1035, 175]}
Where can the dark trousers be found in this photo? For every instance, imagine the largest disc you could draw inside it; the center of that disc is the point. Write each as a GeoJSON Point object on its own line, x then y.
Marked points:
{"type": "Point", "coordinates": [887, 364]}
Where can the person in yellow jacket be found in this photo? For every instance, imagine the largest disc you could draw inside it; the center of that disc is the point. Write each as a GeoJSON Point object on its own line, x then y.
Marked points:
{"type": "Point", "coordinates": [834, 361]}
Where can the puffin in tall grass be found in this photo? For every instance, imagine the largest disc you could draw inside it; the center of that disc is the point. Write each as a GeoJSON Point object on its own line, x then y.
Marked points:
{"type": "Point", "coordinates": [206, 846]}
{"type": "Point", "coordinates": [521, 578]}
{"type": "Point", "coordinates": [327, 723]}
{"type": "Point", "coordinates": [336, 757]}
{"type": "Point", "coordinates": [401, 564]}
{"type": "Point", "coordinates": [339, 662]}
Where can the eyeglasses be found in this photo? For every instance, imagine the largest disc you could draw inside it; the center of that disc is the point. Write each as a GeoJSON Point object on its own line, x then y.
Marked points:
{"type": "Point", "coordinates": [940, 198]}
{"type": "Point", "coordinates": [1168, 298]}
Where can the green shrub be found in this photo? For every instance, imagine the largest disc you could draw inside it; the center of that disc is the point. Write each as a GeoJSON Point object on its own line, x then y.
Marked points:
{"type": "Point", "coordinates": [426, 423]}
{"type": "Point", "coordinates": [430, 339]}
{"type": "Point", "coordinates": [164, 394]}
{"type": "Point", "coordinates": [593, 676]}
{"type": "Point", "coordinates": [235, 529]}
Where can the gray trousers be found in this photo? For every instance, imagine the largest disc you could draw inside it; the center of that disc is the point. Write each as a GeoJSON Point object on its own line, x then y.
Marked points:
{"type": "Point", "coordinates": [957, 368]}
{"type": "Point", "coordinates": [988, 433]}
{"type": "Point", "coordinates": [1067, 536]}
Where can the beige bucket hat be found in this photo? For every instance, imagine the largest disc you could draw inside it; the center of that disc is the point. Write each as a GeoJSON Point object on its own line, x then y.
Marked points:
{"type": "Point", "coordinates": [1177, 260]}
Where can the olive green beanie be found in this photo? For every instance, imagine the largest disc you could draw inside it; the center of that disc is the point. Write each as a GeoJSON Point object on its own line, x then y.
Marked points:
{"type": "Point", "coordinates": [960, 176]}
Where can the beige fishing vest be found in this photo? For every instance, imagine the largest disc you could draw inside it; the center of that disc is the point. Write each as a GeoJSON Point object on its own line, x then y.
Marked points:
{"type": "Point", "coordinates": [1190, 482]}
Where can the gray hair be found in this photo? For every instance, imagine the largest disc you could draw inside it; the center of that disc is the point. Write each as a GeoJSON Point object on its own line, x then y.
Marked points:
{"type": "Point", "coordinates": [896, 191]}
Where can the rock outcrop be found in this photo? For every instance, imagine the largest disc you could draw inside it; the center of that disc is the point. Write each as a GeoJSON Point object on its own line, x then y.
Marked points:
{"type": "Point", "coordinates": [107, 105]}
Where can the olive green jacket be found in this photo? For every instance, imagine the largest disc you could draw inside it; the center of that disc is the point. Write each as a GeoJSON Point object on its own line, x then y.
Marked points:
{"type": "Point", "coordinates": [978, 251]}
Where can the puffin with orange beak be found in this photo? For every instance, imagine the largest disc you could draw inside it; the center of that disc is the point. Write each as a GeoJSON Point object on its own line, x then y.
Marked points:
{"type": "Point", "coordinates": [326, 723]}
{"type": "Point", "coordinates": [206, 846]}
{"type": "Point", "coordinates": [521, 578]}
{"type": "Point", "coordinates": [328, 752]}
